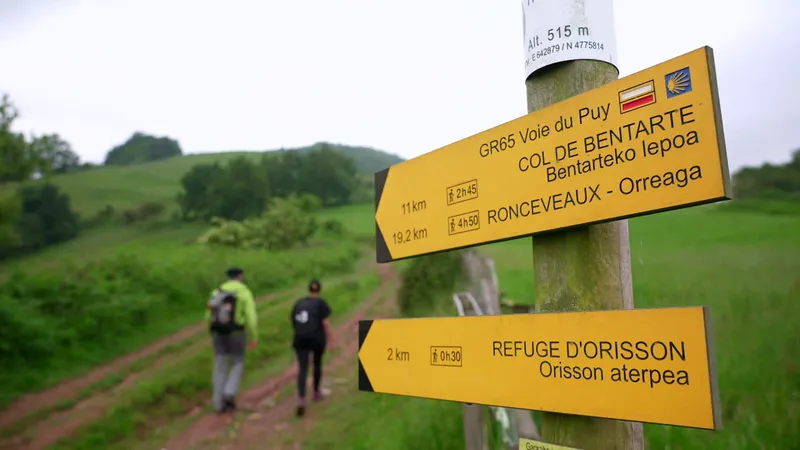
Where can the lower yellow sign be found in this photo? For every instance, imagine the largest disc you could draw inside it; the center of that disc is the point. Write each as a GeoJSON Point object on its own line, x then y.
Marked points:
{"type": "Point", "coordinates": [527, 444]}
{"type": "Point", "coordinates": [645, 365]}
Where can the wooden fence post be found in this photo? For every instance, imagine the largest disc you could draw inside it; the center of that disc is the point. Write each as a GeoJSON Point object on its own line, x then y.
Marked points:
{"type": "Point", "coordinates": [484, 287]}
{"type": "Point", "coordinates": [476, 427]}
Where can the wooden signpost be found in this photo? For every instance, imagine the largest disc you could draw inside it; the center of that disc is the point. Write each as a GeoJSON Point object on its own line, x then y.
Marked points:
{"type": "Point", "coordinates": [592, 151]}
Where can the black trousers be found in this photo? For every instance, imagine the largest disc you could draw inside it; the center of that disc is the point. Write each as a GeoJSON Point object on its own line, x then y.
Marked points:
{"type": "Point", "coordinates": [304, 349]}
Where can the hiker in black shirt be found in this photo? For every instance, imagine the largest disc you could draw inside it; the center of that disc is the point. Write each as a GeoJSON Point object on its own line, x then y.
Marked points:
{"type": "Point", "coordinates": [312, 331]}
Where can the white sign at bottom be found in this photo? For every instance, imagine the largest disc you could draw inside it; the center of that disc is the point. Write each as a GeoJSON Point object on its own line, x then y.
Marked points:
{"type": "Point", "coordinates": [565, 30]}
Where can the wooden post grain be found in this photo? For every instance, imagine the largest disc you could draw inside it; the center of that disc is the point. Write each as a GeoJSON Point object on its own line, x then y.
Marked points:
{"type": "Point", "coordinates": [582, 269]}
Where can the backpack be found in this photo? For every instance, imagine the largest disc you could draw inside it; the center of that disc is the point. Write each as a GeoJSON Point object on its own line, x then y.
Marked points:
{"type": "Point", "coordinates": [306, 324]}
{"type": "Point", "coordinates": [223, 312]}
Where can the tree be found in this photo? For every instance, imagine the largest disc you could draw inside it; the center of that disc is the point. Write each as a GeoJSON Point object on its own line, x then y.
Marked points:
{"type": "Point", "coordinates": [243, 187]}
{"type": "Point", "coordinates": [46, 218]}
{"type": "Point", "coordinates": [194, 201]}
{"type": "Point", "coordinates": [242, 192]}
{"type": "Point", "coordinates": [328, 175]}
{"type": "Point", "coordinates": [15, 165]}
{"type": "Point", "coordinates": [237, 191]}
{"type": "Point", "coordinates": [55, 154]}
{"type": "Point", "coordinates": [321, 171]}
{"type": "Point", "coordinates": [141, 148]}
{"type": "Point", "coordinates": [285, 171]}
{"type": "Point", "coordinates": [17, 160]}
{"type": "Point", "coordinates": [795, 162]}
{"type": "Point", "coordinates": [10, 210]}
{"type": "Point", "coordinates": [20, 159]}
{"type": "Point", "coordinates": [37, 215]}
{"type": "Point", "coordinates": [769, 180]}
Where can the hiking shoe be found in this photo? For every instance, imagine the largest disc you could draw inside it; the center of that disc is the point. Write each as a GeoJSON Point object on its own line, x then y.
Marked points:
{"type": "Point", "coordinates": [229, 405]}
{"type": "Point", "coordinates": [301, 407]}
{"type": "Point", "coordinates": [317, 396]}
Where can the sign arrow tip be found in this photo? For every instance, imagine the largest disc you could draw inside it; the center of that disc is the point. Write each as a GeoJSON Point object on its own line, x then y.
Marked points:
{"type": "Point", "coordinates": [382, 253]}
{"type": "Point", "coordinates": [363, 379]}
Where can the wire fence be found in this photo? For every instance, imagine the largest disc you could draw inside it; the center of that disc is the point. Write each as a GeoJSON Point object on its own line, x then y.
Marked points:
{"type": "Point", "coordinates": [482, 297]}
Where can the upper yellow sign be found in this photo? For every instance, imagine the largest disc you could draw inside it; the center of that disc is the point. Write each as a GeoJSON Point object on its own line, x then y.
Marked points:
{"type": "Point", "coordinates": [648, 142]}
{"type": "Point", "coordinates": [644, 365]}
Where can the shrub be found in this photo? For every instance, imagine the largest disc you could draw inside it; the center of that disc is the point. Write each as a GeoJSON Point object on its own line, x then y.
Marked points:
{"type": "Point", "coordinates": [283, 226]}
{"type": "Point", "coordinates": [100, 217]}
{"type": "Point", "coordinates": [426, 278]}
{"type": "Point", "coordinates": [142, 213]}
{"type": "Point", "coordinates": [333, 227]}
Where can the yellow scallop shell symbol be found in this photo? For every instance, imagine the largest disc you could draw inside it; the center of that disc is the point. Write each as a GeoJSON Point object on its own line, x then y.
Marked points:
{"type": "Point", "coordinates": [678, 82]}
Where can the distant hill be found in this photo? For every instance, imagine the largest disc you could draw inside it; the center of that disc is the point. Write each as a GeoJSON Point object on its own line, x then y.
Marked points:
{"type": "Point", "coordinates": [368, 160]}
{"type": "Point", "coordinates": [159, 181]}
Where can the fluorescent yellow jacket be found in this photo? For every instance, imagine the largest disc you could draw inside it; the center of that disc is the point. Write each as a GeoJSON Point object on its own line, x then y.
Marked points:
{"type": "Point", "coordinates": [245, 307]}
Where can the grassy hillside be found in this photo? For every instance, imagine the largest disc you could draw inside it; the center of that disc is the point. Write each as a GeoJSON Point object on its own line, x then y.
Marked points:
{"type": "Point", "coordinates": [744, 264]}
{"type": "Point", "coordinates": [164, 237]}
{"type": "Point", "coordinates": [146, 281]}
{"type": "Point", "coordinates": [159, 181]}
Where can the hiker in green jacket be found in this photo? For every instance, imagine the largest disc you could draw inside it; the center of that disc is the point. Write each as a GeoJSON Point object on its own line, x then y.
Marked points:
{"type": "Point", "coordinates": [231, 315]}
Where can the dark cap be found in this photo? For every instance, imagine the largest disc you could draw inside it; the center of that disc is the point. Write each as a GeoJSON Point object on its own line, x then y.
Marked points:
{"type": "Point", "coordinates": [234, 272]}
{"type": "Point", "coordinates": [314, 286]}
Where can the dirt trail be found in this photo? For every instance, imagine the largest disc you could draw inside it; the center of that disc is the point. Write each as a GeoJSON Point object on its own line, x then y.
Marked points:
{"type": "Point", "coordinates": [276, 429]}
{"type": "Point", "coordinates": [71, 389]}
{"type": "Point", "coordinates": [64, 423]}
{"type": "Point", "coordinates": [212, 426]}
{"type": "Point", "coordinates": [272, 427]}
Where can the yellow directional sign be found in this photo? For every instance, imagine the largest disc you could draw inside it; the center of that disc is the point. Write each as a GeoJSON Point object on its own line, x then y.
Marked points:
{"type": "Point", "coordinates": [648, 142]}
{"type": "Point", "coordinates": [644, 365]}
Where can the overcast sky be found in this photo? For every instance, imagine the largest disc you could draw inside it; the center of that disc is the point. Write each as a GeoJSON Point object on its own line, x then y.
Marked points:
{"type": "Point", "coordinates": [405, 77]}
